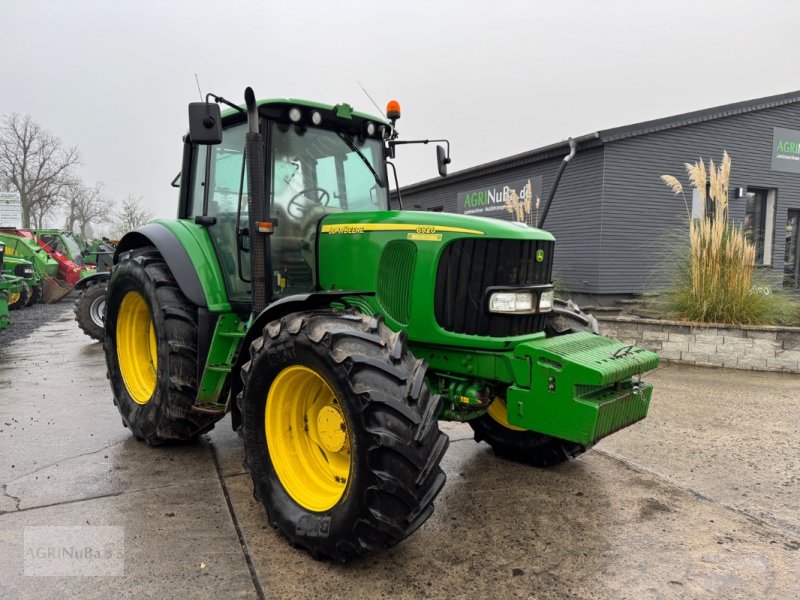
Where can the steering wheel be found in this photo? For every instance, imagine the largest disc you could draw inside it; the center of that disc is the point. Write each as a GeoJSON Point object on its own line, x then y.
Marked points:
{"type": "Point", "coordinates": [322, 197]}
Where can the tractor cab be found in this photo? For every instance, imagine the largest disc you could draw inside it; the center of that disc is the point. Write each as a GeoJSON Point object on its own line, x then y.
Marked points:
{"type": "Point", "coordinates": [318, 160]}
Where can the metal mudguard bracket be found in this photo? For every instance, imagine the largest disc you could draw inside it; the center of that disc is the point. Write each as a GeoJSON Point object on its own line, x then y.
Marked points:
{"type": "Point", "coordinates": [583, 387]}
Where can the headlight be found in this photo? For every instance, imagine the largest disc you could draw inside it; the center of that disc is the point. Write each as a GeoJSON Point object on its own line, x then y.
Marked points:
{"type": "Point", "coordinates": [23, 270]}
{"type": "Point", "coordinates": [546, 301]}
{"type": "Point", "coordinates": [522, 302]}
{"type": "Point", "coordinates": [295, 115]}
{"type": "Point", "coordinates": [511, 302]}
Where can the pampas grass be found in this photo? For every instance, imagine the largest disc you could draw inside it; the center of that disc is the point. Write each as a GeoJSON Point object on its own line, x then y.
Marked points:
{"type": "Point", "coordinates": [715, 285]}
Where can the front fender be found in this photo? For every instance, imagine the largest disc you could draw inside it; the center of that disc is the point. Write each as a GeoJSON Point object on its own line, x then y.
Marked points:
{"type": "Point", "coordinates": [275, 311]}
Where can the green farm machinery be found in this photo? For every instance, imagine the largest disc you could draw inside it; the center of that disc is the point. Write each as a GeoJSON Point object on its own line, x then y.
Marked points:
{"type": "Point", "coordinates": [5, 291]}
{"type": "Point", "coordinates": [338, 332]}
{"type": "Point", "coordinates": [29, 283]}
{"type": "Point", "coordinates": [58, 262]}
{"type": "Point", "coordinates": [90, 306]}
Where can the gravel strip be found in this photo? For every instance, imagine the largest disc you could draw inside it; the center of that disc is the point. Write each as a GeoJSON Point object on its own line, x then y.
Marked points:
{"type": "Point", "coordinates": [27, 320]}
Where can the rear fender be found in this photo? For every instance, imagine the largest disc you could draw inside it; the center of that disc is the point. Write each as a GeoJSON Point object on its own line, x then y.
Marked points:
{"type": "Point", "coordinates": [179, 244]}
{"type": "Point", "coordinates": [92, 279]}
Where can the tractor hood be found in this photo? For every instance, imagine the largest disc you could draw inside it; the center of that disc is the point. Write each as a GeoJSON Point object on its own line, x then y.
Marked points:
{"type": "Point", "coordinates": [431, 272]}
{"type": "Point", "coordinates": [411, 224]}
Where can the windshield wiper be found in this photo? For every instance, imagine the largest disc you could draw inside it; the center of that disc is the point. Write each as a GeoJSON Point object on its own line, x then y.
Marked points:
{"type": "Point", "coordinates": [349, 141]}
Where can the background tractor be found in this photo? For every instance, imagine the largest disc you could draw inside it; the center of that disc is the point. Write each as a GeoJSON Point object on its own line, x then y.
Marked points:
{"type": "Point", "coordinates": [30, 284]}
{"type": "Point", "coordinates": [90, 306]}
{"type": "Point", "coordinates": [5, 287]}
{"type": "Point", "coordinates": [338, 331]}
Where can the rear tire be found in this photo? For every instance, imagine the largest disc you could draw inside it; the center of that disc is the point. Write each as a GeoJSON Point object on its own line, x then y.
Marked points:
{"type": "Point", "coordinates": [90, 310]}
{"type": "Point", "coordinates": [36, 295]}
{"type": "Point", "coordinates": [526, 446]}
{"type": "Point", "coordinates": [151, 350]}
{"type": "Point", "coordinates": [391, 438]}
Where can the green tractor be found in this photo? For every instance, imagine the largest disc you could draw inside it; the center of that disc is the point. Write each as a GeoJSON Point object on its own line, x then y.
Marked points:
{"type": "Point", "coordinates": [30, 282]}
{"type": "Point", "coordinates": [337, 332]}
{"type": "Point", "coordinates": [89, 308]}
{"type": "Point", "coordinates": [5, 291]}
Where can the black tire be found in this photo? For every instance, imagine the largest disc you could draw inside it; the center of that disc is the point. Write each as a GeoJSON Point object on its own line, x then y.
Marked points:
{"type": "Point", "coordinates": [90, 310]}
{"type": "Point", "coordinates": [395, 445]}
{"type": "Point", "coordinates": [568, 318]}
{"type": "Point", "coordinates": [36, 295]}
{"type": "Point", "coordinates": [23, 297]}
{"type": "Point", "coordinates": [167, 416]}
{"type": "Point", "coordinates": [530, 447]}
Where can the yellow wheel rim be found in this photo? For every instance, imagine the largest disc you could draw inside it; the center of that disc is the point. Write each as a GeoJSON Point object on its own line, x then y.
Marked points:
{"type": "Point", "coordinates": [137, 350]}
{"type": "Point", "coordinates": [307, 437]}
{"type": "Point", "coordinates": [499, 412]}
{"type": "Point", "coordinates": [13, 298]}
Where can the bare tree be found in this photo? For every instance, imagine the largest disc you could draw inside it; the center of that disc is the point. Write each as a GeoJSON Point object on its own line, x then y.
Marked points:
{"type": "Point", "coordinates": [129, 216]}
{"type": "Point", "coordinates": [86, 205]}
{"type": "Point", "coordinates": [36, 164]}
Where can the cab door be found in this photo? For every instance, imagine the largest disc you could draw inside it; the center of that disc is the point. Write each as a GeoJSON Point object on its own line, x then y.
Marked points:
{"type": "Point", "coordinates": [219, 194]}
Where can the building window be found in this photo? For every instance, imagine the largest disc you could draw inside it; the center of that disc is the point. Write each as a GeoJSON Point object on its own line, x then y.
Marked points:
{"type": "Point", "coordinates": [791, 261]}
{"type": "Point", "coordinates": [698, 210]}
{"type": "Point", "coordinates": [759, 222]}
{"type": "Point", "coordinates": [702, 210]}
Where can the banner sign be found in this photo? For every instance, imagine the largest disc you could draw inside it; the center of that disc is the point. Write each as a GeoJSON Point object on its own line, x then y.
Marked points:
{"type": "Point", "coordinates": [10, 210]}
{"type": "Point", "coordinates": [513, 200]}
{"type": "Point", "coordinates": [786, 150]}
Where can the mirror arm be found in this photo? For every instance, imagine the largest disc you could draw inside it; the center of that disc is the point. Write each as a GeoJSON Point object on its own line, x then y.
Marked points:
{"type": "Point", "coordinates": [393, 143]}
{"type": "Point", "coordinates": [220, 99]}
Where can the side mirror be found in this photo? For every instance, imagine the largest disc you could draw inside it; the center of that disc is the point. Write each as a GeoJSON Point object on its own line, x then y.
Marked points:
{"type": "Point", "coordinates": [442, 160]}
{"type": "Point", "coordinates": [205, 123]}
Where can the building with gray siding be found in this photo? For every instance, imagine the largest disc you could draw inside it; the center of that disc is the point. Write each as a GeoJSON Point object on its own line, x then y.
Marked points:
{"type": "Point", "coordinates": [617, 226]}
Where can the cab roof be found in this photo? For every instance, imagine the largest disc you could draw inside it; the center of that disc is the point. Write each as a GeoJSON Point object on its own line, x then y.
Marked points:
{"type": "Point", "coordinates": [340, 110]}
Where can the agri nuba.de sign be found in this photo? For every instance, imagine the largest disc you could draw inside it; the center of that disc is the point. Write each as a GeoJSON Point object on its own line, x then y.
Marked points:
{"type": "Point", "coordinates": [491, 200]}
{"type": "Point", "coordinates": [786, 150]}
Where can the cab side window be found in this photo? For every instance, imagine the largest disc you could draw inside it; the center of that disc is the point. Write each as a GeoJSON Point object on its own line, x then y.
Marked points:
{"type": "Point", "coordinates": [198, 181]}
{"type": "Point", "coordinates": [227, 178]}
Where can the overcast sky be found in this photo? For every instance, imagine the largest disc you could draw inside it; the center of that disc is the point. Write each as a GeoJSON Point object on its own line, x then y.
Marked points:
{"type": "Point", "coordinates": [495, 77]}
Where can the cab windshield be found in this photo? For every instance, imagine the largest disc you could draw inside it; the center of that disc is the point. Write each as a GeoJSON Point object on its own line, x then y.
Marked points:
{"type": "Point", "coordinates": [315, 169]}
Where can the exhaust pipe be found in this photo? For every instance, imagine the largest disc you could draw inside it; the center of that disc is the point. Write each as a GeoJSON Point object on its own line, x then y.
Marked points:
{"type": "Point", "coordinates": [260, 262]}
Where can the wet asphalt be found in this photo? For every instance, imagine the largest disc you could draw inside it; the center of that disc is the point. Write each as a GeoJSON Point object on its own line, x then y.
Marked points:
{"type": "Point", "coordinates": [700, 500]}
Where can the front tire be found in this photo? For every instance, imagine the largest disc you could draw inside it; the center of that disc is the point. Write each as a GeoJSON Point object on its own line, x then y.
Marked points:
{"type": "Point", "coordinates": [19, 299]}
{"type": "Point", "coordinates": [340, 432]}
{"type": "Point", "coordinates": [521, 445]}
{"type": "Point", "coordinates": [151, 351]}
{"type": "Point", "coordinates": [90, 310]}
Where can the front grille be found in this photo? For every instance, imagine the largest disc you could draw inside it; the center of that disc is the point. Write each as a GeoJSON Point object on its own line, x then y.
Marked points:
{"type": "Point", "coordinates": [469, 266]}
{"type": "Point", "coordinates": [395, 277]}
